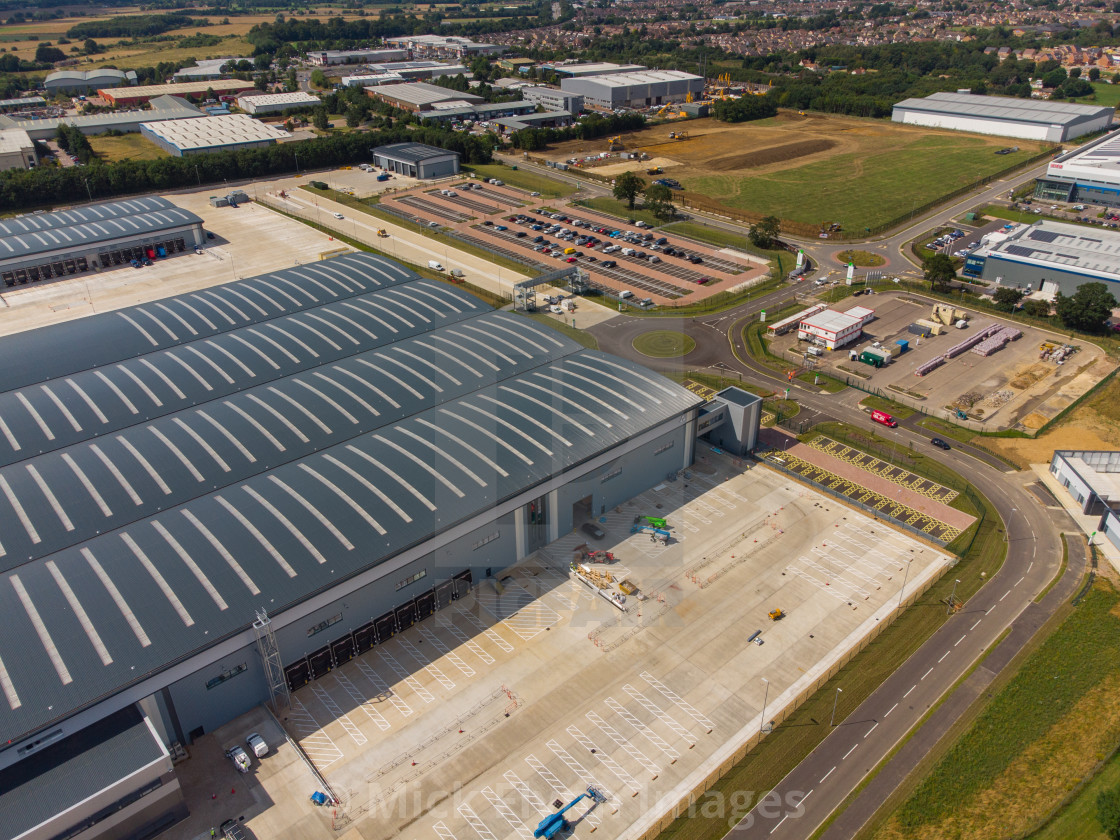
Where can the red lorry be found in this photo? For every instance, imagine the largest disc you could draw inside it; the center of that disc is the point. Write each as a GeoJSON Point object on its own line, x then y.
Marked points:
{"type": "Point", "coordinates": [884, 418]}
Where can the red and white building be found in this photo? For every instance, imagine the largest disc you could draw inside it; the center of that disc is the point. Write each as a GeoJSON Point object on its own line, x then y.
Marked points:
{"type": "Point", "coordinates": [831, 329]}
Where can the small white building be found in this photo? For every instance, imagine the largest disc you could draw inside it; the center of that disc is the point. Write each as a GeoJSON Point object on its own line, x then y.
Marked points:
{"type": "Point", "coordinates": [276, 103]}
{"type": "Point", "coordinates": [17, 150]}
{"type": "Point", "coordinates": [830, 328]}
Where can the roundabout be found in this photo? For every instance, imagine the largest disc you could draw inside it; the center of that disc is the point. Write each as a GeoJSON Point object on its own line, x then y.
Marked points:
{"type": "Point", "coordinates": [861, 259]}
{"type": "Point", "coordinates": [664, 344]}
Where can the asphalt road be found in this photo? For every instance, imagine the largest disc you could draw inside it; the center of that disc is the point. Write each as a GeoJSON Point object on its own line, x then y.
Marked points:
{"type": "Point", "coordinates": [865, 735]}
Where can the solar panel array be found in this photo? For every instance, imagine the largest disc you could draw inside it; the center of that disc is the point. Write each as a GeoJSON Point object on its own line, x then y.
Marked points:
{"type": "Point", "coordinates": [250, 457]}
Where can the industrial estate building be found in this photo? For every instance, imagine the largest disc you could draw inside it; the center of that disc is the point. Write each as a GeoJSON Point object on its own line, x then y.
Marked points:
{"type": "Point", "coordinates": [161, 108]}
{"type": "Point", "coordinates": [1088, 174]}
{"type": "Point", "coordinates": [124, 98]}
{"type": "Point", "coordinates": [1050, 257]}
{"type": "Point", "coordinates": [331, 58]}
{"type": "Point", "coordinates": [444, 46]}
{"type": "Point", "coordinates": [575, 69]}
{"type": "Point", "coordinates": [17, 150]}
{"type": "Point", "coordinates": [450, 112]}
{"type": "Point", "coordinates": [831, 329]}
{"type": "Point", "coordinates": [1093, 481]}
{"type": "Point", "coordinates": [553, 99]}
{"type": "Point", "coordinates": [537, 119]}
{"type": "Point", "coordinates": [66, 242]}
{"type": "Point", "coordinates": [417, 160]}
{"type": "Point", "coordinates": [84, 81]}
{"type": "Point", "coordinates": [225, 133]}
{"type": "Point", "coordinates": [277, 103]}
{"type": "Point", "coordinates": [343, 444]}
{"type": "Point", "coordinates": [634, 90]}
{"type": "Point", "coordinates": [1005, 116]}
{"type": "Point", "coordinates": [207, 68]}
{"type": "Point", "coordinates": [418, 96]}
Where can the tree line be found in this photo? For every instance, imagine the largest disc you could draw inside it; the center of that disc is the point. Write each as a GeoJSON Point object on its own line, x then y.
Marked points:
{"type": "Point", "coordinates": [21, 189]}
{"type": "Point", "coordinates": [590, 127]}
{"type": "Point", "coordinates": [133, 26]}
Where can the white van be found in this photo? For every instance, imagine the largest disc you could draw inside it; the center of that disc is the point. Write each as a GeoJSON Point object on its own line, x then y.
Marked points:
{"type": "Point", "coordinates": [434, 265]}
{"type": "Point", "coordinates": [626, 293]}
{"type": "Point", "coordinates": [627, 252]}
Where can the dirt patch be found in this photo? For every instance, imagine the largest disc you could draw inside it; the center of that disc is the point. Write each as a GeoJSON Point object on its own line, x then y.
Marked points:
{"type": "Point", "coordinates": [774, 154]}
{"type": "Point", "coordinates": [1027, 375]}
{"type": "Point", "coordinates": [1034, 421]}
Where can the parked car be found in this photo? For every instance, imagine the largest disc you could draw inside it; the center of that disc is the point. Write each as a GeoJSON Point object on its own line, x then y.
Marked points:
{"type": "Point", "coordinates": [592, 530]}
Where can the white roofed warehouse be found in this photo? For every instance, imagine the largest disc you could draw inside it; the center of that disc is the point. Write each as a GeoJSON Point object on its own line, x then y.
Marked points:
{"type": "Point", "coordinates": [1004, 116]}
{"type": "Point", "coordinates": [34, 248]}
{"type": "Point", "coordinates": [634, 90]}
{"type": "Point", "coordinates": [277, 103]}
{"type": "Point", "coordinates": [417, 160]}
{"type": "Point", "coordinates": [228, 132]}
{"type": "Point", "coordinates": [342, 444]}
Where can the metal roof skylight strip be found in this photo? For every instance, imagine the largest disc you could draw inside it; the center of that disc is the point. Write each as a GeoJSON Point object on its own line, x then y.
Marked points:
{"type": "Point", "coordinates": [80, 613]}
{"type": "Point", "coordinates": [392, 376]}
{"type": "Point", "coordinates": [361, 401]}
{"type": "Point", "coordinates": [408, 370]}
{"type": "Point", "coordinates": [298, 288]}
{"type": "Point", "coordinates": [41, 630]}
{"type": "Point", "coordinates": [199, 575]}
{"type": "Point", "coordinates": [190, 369]}
{"type": "Point", "coordinates": [120, 394]}
{"type": "Point", "coordinates": [140, 383]}
{"type": "Point", "coordinates": [556, 396]}
{"type": "Point", "coordinates": [148, 468]}
{"type": "Point", "coordinates": [302, 344]}
{"type": "Point", "coordinates": [177, 317]}
{"type": "Point", "coordinates": [253, 303]}
{"type": "Point", "coordinates": [118, 599]}
{"type": "Point", "coordinates": [142, 331]}
{"type": "Point", "coordinates": [317, 332]}
{"type": "Point", "coordinates": [86, 483]}
{"type": "Point", "coordinates": [380, 394]}
{"type": "Point", "coordinates": [591, 382]}
{"type": "Point", "coordinates": [217, 368]}
{"type": "Point", "coordinates": [374, 317]}
{"type": "Point", "coordinates": [248, 370]}
{"type": "Point", "coordinates": [62, 407]}
{"type": "Point", "coordinates": [52, 499]}
{"type": "Point", "coordinates": [170, 333]}
{"type": "Point", "coordinates": [274, 343]}
{"type": "Point", "coordinates": [278, 291]}
{"type": "Point", "coordinates": [210, 324]}
{"type": "Point", "coordinates": [393, 294]}
{"type": "Point", "coordinates": [423, 361]}
{"type": "Point", "coordinates": [291, 426]}
{"type": "Point", "coordinates": [42, 424]}
{"type": "Point", "coordinates": [258, 536]}
{"type": "Point", "coordinates": [8, 687]}
{"type": "Point", "coordinates": [117, 474]}
{"type": "Point", "coordinates": [387, 311]}
{"type": "Point", "coordinates": [86, 398]}
{"type": "Point", "coordinates": [233, 306]}
{"type": "Point", "coordinates": [336, 314]}
{"type": "Point", "coordinates": [201, 441]}
{"type": "Point", "coordinates": [163, 377]}
{"type": "Point", "coordinates": [302, 409]}
{"type": "Point", "coordinates": [314, 511]}
{"type": "Point", "coordinates": [513, 347]}
{"type": "Point", "coordinates": [621, 383]}
{"type": "Point", "coordinates": [395, 476]}
{"type": "Point", "coordinates": [8, 434]}
{"type": "Point", "coordinates": [436, 474]}
{"type": "Point", "coordinates": [231, 561]}
{"type": "Point", "coordinates": [481, 344]}
{"type": "Point", "coordinates": [338, 491]}
{"type": "Point", "coordinates": [481, 456]}
{"type": "Point", "coordinates": [328, 400]}
{"type": "Point", "coordinates": [228, 435]}
{"type": "Point", "coordinates": [213, 306]}
{"type": "Point", "coordinates": [467, 470]}
{"type": "Point", "coordinates": [17, 506]}
{"type": "Point", "coordinates": [183, 459]}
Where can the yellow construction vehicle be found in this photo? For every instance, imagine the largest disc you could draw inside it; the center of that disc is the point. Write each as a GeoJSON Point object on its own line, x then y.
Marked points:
{"type": "Point", "coordinates": [656, 170]}
{"type": "Point", "coordinates": [614, 144]}
{"type": "Point", "coordinates": [777, 615]}
{"type": "Point", "coordinates": [382, 232]}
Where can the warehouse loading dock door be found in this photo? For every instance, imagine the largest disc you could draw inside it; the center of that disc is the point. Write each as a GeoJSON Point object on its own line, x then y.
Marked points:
{"type": "Point", "coordinates": [365, 637]}
{"type": "Point", "coordinates": [320, 662]}
{"type": "Point", "coordinates": [386, 627]}
{"type": "Point", "coordinates": [443, 594]}
{"type": "Point", "coordinates": [581, 511]}
{"type": "Point", "coordinates": [342, 650]}
{"type": "Point", "coordinates": [425, 604]}
{"type": "Point", "coordinates": [406, 615]}
{"type": "Point", "coordinates": [462, 583]}
{"type": "Point", "coordinates": [298, 674]}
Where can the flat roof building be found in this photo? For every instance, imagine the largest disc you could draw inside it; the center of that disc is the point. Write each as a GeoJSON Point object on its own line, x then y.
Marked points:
{"type": "Point", "coordinates": [417, 160]}
{"type": "Point", "coordinates": [277, 103]}
{"type": "Point", "coordinates": [1050, 257]}
{"type": "Point", "coordinates": [1004, 116]}
{"type": "Point", "coordinates": [537, 119]}
{"type": "Point", "coordinates": [330, 58]}
{"type": "Point", "coordinates": [84, 81]}
{"type": "Point", "coordinates": [21, 103]}
{"type": "Point", "coordinates": [830, 329]}
{"type": "Point", "coordinates": [224, 133]}
{"type": "Point", "coordinates": [340, 473]}
{"type": "Point", "coordinates": [17, 149]}
{"type": "Point", "coordinates": [208, 68]}
{"type": "Point", "coordinates": [418, 96]}
{"type": "Point", "coordinates": [160, 108]}
{"type": "Point", "coordinates": [34, 248]}
{"type": "Point", "coordinates": [188, 90]}
{"type": "Point", "coordinates": [417, 71]}
{"type": "Point", "coordinates": [1089, 174]}
{"type": "Point", "coordinates": [634, 90]}
{"type": "Point", "coordinates": [578, 69]}
{"type": "Point", "coordinates": [554, 99]}
{"type": "Point", "coordinates": [444, 46]}
{"type": "Point", "coordinates": [1092, 480]}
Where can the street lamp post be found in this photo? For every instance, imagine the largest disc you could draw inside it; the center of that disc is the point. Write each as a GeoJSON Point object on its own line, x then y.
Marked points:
{"type": "Point", "coordinates": [297, 162]}
{"type": "Point", "coordinates": [952, 597]}
{"type": "Point", "coordinates": [836, 699]}
{"type": "Point", "coordinates": [765, 695]}
{"type": "Point", "coordinates": [902, 591]}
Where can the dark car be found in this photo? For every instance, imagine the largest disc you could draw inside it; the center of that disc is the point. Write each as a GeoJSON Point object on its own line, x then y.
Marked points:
{"type": "Point", "coordinates": [939, 443]}
{"type": "Point", "coordinates": [695, 260]}
{"type": "Point", "coordinates": [209, 235]}
{"type": "Point", "coordinates": [592, 530]}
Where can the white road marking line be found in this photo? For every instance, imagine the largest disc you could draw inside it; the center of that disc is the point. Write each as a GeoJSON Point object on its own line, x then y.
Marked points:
{"type": "Point", "coordinates": [324, 697]}
{"type": "Point", "coordinates": [1020, 580]}
{"type": "Point", "coordinates": [958, 641]}
{"type": "Point", "coordinates": [907, 694]}
{"type": "Point", "coordinates": [782, 820]}
{"type": "Point", "coordinates": [1005, 594]}
{"type": "Point", "coordinates": [927, 673]}
{"type": "Point", "coordinates": [826, 775]}
{"type": "Point", "coordinates": [946, 653]}
{"type": "Point", "coordinates": [891, 709]}
{"type": "Point", "coordinates": [849, 752]}
{"type": "Point", "coordinates": [1029, 567]}
{"type": "Point", "coordinates": [383, 689]}
{"type": "Point", "coordinates": [872, 729]}
{"type": "Point", "coordinates": [974, 626]}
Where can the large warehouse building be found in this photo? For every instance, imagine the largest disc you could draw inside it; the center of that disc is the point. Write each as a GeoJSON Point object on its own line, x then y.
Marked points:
{"type": "Point", "coordinates": [417, 160]}
{"type": "Point", "coordinates": [67, 242]}
{"type": "Point", "coordinates": [1050, 257]}
{"type": "Point", "coordinates": [1089, 174]}
{"type": "Point", "coordinates": [343, 444]}
{"type": "Point", "coordinates": [84, 81]}
{"type": "Point", "coordinates": [128, 97]}
{"type": "Point", "coordinates": [420, 97]}
{"type": "Point", "coordinates": [161, 108]}
{"type": "Point", "coordinates": [1004, 116]}
{"type": "Point", "coordinates": [634, 90]}
{"type": "Point", "coordinates": [277, 103]}
{"type": "Point", "coordinates": [225, 133]}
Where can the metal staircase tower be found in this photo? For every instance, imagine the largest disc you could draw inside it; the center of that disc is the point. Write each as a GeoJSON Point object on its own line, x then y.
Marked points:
{"type": "Point", "coordinates": [270, 656]}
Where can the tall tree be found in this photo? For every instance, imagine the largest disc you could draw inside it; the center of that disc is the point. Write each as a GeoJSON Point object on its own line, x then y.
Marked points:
{"type": "Point", "coordinates": [319, 119]}
{"type": "Point", "coordinates": [1006, 298]}
{"type": "Point", "coordinates": [765, 233]}
{"type": "Point", "coordinates": [627, 186]}
{"type": "Point", "coordinates": [1108, 812]}
{"type": "Point", "coordinates": [659, 201]}
{"type": "Point", "coordinates": [1087, 309]}
{"type": "Point", "coordinates": [939, 271]}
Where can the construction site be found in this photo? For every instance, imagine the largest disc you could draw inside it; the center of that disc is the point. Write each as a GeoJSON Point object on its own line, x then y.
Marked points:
{"type": "Point", "coordinates": [648, 619]}
{"type": "Point", "coordinates": [954, 363]}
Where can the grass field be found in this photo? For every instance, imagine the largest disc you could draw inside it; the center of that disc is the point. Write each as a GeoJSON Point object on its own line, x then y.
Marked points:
{"type": "Point", "coordinates": [664, 344]}
{"type": "Point", "coordinates": [1105, 94]}
{"type": "Point", "coordinates": [729, 239]}
{"type": "Point", "coordinates": [1040, 734]}
{"type": "Point", "coordinates": [614, 207]}
{"type": "Point", "coordinates": [781, 751]}
{"type": "Point", "coordinates": [900, 411]}
{"type": "Point", "coordinates": [1078, 818]}
{"type": "Point", "coordinates": [861, 259]}
{"type": "Point", "coordinates": [130, 146]}
{"type": "Point", "coordinates": [523, 178]}
{"type": "Point", "coordinates": [813, 169]}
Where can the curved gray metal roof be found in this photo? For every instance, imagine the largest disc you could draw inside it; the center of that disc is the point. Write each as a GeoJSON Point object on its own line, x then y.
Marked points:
{"type": "Point", "coordinates": [127, 333]}
{"type": "Point", "coordinates": [85, 226]}
{"type": "Point", "coordinates": [127, 552]}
